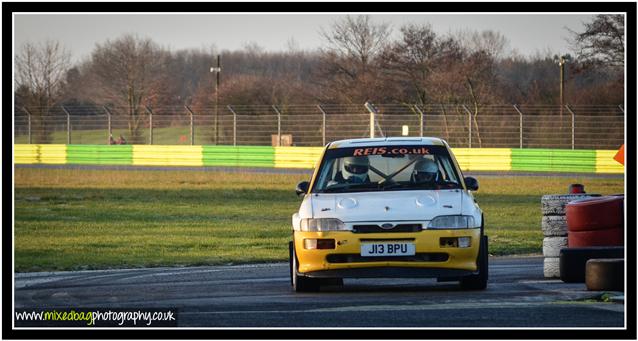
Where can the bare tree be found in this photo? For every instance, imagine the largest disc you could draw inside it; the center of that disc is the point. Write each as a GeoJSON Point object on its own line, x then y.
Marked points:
{"type": "Point", "coordinates": [350, 58]}
{"type": "Point", "coordinates": [131, 73]}
{"type": "Point", "coordinates": [603, 41]}
{"type": "Point", "coordinates": [40, 74]}
{"type": "Point", "coordinates": [488, 42]}
{"type": "Point", "coordinates": [416, 56]}
{"type": "Point", "coordinates": [482, 52]}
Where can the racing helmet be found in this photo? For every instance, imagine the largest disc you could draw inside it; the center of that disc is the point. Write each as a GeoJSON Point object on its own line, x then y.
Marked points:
{"type": "Point", "coordinates": [425, 170]}
{"type": "Point", "coordinates": [355, 168]}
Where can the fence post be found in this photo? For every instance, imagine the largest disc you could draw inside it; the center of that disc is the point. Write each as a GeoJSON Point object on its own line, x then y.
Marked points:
{"type": "Point", "coordinates": [520, 125]}
{"type": "Point", "coordinates": [234, 124]}
{"type": "Point", "coordinates": [28, 123]}
{"type": "Point", "coordinates": [150, 125]}
{"type": "Point", "coordinates": [109, 124]}
{"type": "Point", "coordinates": [573, 123]}
{"type": "Point", "coordinates": [278, 126]}
{"type": "Point", "coordinates": [420, 119]}
{"type": "Point", "coordinates": [323, 125]}
{"type": "Point", "coordinates": [68, 125]}
{"type": "Point", "coordinates": [469, 125]}
{"type": "Point", "coordinates": [192, 130]}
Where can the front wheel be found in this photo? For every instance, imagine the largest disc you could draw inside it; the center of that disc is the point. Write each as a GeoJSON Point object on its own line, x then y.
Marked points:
{"type": "Point", "coordinates": [300, 283]}
{"type": "Point", "coordinates": [479, 280]}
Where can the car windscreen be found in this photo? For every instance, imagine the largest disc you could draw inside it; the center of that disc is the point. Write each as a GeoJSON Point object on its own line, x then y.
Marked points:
{"type": "Point", "coordinates": [386, 168]}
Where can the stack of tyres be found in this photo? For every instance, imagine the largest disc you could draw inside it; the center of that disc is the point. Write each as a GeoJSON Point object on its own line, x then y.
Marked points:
{"type": "Point", "coordinates": [554, 226]}
{"type": "Point", "coordinates": [595, 229]}
{"type": "Point", "coordinates": [596, 221]}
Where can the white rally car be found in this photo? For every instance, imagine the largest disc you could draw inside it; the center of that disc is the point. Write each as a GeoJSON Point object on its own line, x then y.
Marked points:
{"type": "Point", "coordinates": [388, 207]}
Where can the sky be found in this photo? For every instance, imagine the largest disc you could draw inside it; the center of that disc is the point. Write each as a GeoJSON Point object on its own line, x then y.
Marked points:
{"type": "Point", "coordinates": [527, 34]}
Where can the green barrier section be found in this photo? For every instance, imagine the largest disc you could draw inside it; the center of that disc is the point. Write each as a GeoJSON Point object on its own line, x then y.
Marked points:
{"type": "Point", "coordinates": [99, 154]}
{"type": "Point", "coordinates": [241, 156]}
{"type": "Point", "coordinates": [554, 160]}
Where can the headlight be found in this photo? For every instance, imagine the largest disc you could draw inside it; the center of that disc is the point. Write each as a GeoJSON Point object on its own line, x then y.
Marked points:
{"type": "Point", "coordinates": [452, 222]}
{"type": "Point", "coordinates": [322, 224]}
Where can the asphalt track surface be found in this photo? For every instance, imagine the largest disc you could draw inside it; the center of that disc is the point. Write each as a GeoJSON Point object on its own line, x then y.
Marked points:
{"type": "Point", "coordinates": [294, 171]}
{"type": "Point", "coordinates": [260, 295]}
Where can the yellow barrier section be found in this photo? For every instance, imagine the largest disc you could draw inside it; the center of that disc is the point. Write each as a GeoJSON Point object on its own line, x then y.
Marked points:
{"type": "Point", "coordinates": [40, 153]}
{"type": "Point", "coordinates": [26, 153]}
{"type": "Point", "coordinates": [297, 157]}
{"type": "Point", "coordinates": [484, 159]}
{"type": "Point", "coordinates": [144, 155]}
{"type": "Point", "coordinates": [605, 162]}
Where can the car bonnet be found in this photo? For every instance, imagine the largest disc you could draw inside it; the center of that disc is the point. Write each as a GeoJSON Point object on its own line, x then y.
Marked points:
{"type": "Point", "coordinates": [387, 206]}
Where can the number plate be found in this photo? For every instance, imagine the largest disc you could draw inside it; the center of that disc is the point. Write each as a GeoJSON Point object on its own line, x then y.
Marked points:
{"type": "Point", "coordinates": [388, 249]}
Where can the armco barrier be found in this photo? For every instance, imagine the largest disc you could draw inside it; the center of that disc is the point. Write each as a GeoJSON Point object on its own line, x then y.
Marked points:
{"type": "Point", "coordinates": [475, 159]}
{"type": "Point", "coordinates": [40, 153]}
{"type": "Point", "coordinates": [243, 156]}
{"type": "Point", "coordinates": [144, 155]}
{"type": "Point", "coordinates": [488, 159]}
{"type": "Point", "coordinates": [26, 153]}
{"type": "Point", "coordinates": [605, 162]}
{"type": "Point", "coordinates": [99, 154]}
{"type": "Point", "coordinates": [297, 157]}
{"type": "Point", "coordinates": [554, 160]}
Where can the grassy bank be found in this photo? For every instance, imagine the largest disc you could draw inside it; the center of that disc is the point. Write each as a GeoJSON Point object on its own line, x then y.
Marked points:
{"type": "Point", "coordinates": [88, 219]}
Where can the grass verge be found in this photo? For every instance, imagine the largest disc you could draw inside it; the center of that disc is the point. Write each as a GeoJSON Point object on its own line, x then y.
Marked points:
{"type": "Point", "coordinates": [70, 219]}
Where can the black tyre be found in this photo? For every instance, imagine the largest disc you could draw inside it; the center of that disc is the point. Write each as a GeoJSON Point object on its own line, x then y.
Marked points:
{"type": "Point", "coordinates": [479, 280]}
{"type": "Point", "coordinates": [605, 274]}
{"type": "Point", "coordinates": [331, 281]}
{"type": "Point", "coordinates": [573, 261]}
{"type": "Point", "coordinates": [300, 283]}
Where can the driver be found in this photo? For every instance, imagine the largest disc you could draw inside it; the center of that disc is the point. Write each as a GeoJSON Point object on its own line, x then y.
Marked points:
{"type": "Point", "coordinates": [354, 170]}
{"type": "Point", "coordinates": [425, 170]}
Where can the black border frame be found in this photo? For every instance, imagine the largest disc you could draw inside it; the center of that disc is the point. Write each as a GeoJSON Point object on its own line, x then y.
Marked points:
{"type": "Point", "coordinates": [492, 333]}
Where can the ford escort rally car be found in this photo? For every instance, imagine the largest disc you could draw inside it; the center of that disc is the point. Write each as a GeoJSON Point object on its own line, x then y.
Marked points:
{"type": "Point", "coordinates": [388, 207]}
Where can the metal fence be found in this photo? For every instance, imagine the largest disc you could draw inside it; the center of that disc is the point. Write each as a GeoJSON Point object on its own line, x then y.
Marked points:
{"type": "Point", "coordinates": [494, 126]}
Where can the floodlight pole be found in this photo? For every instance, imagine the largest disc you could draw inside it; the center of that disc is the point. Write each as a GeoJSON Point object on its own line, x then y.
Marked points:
{"type": "Point", "coordinates": [218, 71]}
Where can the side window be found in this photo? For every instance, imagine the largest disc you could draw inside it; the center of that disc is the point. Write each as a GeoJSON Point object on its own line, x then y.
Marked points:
{"type": "Point", "coordinates": [327, 173]}
{"type": "Point", "coordinates": [448, 172]}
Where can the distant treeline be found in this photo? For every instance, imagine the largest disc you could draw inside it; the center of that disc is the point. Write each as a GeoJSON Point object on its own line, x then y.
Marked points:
{"type": "Point", "coordinates": [359, 62]}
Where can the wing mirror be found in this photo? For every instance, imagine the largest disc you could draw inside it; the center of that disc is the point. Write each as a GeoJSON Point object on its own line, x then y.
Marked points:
{"type": "Point", "coordinates": [302, 188]}
{"type": "Point", "coordinates": [471, 183]}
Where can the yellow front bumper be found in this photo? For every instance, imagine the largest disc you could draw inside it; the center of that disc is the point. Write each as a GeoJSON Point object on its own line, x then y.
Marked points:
{"type": "Point", "coordinates": [427, 241]}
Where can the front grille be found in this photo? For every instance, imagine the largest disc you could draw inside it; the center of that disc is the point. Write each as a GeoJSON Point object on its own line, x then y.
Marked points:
{"type": "Point", "coordinates": [419, 257]}
{"type": "Point", "coordinates": [372, 228]}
